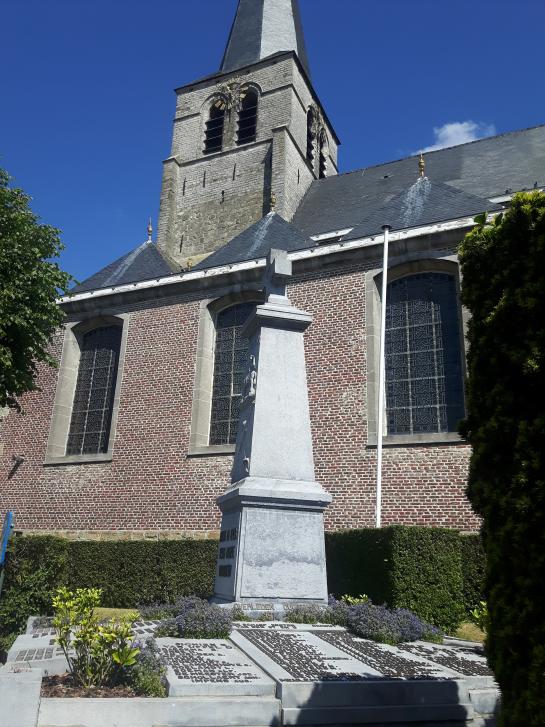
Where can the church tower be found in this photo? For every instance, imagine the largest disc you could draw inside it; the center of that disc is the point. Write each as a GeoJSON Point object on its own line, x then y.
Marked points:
{"type": "Point", "coordinates": [251, 137]}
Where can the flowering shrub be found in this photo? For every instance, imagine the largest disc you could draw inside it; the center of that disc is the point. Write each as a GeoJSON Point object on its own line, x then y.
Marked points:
{"type": "Point", "coordinates": [238, 613]}
{"type": "Point", "coordinates": [198, 619]}
{"type": "Point", "coordinates": [97, 654]}
{"type": "Point", "coordinates": [147, 676]}
{"type": "Point", "coordinates": [305, 613]}
{"type": "Point", "coordinates": [390, 626]}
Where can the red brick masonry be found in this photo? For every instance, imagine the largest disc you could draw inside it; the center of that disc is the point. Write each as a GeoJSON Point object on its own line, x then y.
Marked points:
{"type": "Point", "coordinates": [152, 485]}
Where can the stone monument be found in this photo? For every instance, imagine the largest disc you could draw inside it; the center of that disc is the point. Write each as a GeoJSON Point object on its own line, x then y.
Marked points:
{"type": "Point", "coordinates": [272, 533]}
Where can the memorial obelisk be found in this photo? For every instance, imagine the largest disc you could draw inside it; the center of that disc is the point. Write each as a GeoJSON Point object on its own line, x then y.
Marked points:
{"type": "Point", "coordinates": [272, 532]}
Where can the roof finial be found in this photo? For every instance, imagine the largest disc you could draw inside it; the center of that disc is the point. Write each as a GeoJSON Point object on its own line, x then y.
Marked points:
{"type": "Point", "coordinates": [273, 201]}
{"type": "Point", "coordinates": [150, 230]}
{"type": "Point", "coordinates": [422, 165]}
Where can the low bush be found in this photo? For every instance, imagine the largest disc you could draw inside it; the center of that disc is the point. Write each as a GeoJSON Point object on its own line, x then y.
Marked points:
{"type": "Point", "coordinates": [390, 626]}
{"type": "Point", "coordinates": [238, 613]}
{"type": "Point", "coordinates": [305, 613]}
{"type": "Point", "coordinates": [147, 676]}
{"type": "Point", "coordinates": [198, 619]}
{"type": "Point", "coordinates": [97, 654]}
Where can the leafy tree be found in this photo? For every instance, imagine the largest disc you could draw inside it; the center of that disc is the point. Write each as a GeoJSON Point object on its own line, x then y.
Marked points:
{"type": "Point", "coordinates": [503, 267]}
{"type": "Point", "coordinates": [30, 283]}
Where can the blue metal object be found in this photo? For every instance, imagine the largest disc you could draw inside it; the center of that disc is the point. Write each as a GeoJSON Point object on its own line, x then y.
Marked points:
{"type": "Point", "coordinates": [6, 532]}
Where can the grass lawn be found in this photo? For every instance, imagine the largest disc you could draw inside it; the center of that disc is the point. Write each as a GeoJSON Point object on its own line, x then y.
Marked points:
{"type": "Point", "coordinates": [103, 613]}
{"type": "Point", "coordinates": [469, 632]}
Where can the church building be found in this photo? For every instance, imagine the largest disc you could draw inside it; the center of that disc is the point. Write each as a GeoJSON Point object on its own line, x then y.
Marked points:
{"type": "Point", "coordinates": [133, 435]}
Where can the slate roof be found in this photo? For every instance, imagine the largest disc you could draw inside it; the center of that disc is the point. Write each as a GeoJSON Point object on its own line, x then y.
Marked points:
{"type": "Point", "coordinates": [262, 28]}
{"type": "Point", "coordinates": [145, 262]}
{"type": "Point", "coordinates": [271, 231]}
{"type": "Point", "coordinates": [423, 203]}
{"type": "Point", "coordinates": [485, 168]}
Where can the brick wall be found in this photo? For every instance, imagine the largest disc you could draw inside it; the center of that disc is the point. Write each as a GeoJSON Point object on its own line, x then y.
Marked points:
{"type": "Point", "coordinates": [152, 488]}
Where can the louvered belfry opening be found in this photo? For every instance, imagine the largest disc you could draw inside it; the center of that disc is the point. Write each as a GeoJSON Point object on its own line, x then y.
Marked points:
{"type": "Point", "coordinates": [423, 355]}
{"type": "Point", "coordinates": [213, 135]}
{"type": "Point", "coordinates": [95, 389]}
{"type": "Point", "coordinates": [322, 165]}
{"type": "Point", "coordinates": [311, 135]}
{"type": "Point", "coordinates": [230, 368]}
{"type": "Point", "coordinates": [247, 117]}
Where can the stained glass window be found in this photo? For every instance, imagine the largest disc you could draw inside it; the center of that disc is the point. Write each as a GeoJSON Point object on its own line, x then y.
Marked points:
{"type": "Point", "coordinates": [423, 356]}
{"type": "Point", "coordinates": [230, 368]}
{"type": "Point", "coordinates": [93, 401]}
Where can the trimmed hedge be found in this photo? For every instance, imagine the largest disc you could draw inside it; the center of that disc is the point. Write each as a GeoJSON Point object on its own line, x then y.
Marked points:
{"type": "Point", "coordinates": [129, 572]}
{"type": "Point", "coordinates": [503, 267]}
{"type": "Point", "coordinates": [432, 571]}
{"type": "Point", "coordinates": [404, 567]}
{"type": "Point", "coordinates": [141, 571]}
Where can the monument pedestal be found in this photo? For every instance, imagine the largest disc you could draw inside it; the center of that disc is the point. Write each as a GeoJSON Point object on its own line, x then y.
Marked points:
{"type": "Point", "coordinates": [272, 542]}
{"type": "Point", "coordinates": [272, 533]}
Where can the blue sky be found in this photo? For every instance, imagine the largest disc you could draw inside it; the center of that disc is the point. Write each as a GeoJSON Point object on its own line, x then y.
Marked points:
{"type": "Point", "coordinates": [86, 93]}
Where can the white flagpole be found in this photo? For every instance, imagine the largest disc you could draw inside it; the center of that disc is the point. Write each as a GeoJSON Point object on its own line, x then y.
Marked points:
{"type": "Point", "coordinates": [381, 377]}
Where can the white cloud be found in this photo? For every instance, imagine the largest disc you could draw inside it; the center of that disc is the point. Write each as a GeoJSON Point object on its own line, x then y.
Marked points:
{"type": "Point", "coordinates": [459, 132]}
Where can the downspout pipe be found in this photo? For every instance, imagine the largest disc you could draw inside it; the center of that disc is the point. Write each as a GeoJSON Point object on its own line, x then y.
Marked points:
{"type": "Point", "coordinates": [381, 377]}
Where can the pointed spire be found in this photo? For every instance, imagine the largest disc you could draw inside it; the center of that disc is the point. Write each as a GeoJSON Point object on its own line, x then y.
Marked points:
{"type": "Point", "coordinates": [262, 28]}
{"type": "Point", "coordinates": [150, 230]}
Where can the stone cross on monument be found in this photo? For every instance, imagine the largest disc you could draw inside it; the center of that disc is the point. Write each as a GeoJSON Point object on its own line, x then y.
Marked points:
{"type": "Point", "coordinates": [272, 532]}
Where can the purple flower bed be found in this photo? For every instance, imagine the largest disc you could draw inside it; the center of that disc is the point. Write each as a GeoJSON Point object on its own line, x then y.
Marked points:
{"type": "Point", "coordinates": [379, 623]}
{"type": "Point", "coordinates": [197, 619]}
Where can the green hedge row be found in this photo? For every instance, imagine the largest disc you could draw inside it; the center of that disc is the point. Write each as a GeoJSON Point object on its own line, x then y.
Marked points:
{"type": "Point", "coordinates": [129, 573]}
{"type": "Point", "coordinates": [435, 572]}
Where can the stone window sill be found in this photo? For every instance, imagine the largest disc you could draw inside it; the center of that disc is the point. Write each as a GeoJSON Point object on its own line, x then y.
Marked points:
{"type": "Point", "coordinates": [415, 440]}
{"type": "Point", "coordinates": [79, 459]}
{"type": "Point", "coordinates": [211, 450]}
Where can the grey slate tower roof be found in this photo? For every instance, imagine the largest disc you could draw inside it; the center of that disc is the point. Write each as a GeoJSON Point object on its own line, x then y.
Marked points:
{"type": "Point", "coordinates": [145, 262]}
{"type": "Point", "coordinates": [271, 231]}
{"type": "Point", "coordinates": [262, 28]}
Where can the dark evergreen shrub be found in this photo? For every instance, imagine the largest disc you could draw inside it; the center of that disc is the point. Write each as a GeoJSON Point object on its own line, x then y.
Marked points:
{"type": "Point", "coordinates": [473, 569]}
{"type": "Point", "coordinates": [503, 268]}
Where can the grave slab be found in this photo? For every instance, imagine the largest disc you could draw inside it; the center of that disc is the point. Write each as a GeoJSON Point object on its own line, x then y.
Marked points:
{"type": "Point", "coordinates": [39, 653]}
{"type": "Point", "coordinates": [328, 676]}
{"type": "Point", "coordinates": [212, 668]}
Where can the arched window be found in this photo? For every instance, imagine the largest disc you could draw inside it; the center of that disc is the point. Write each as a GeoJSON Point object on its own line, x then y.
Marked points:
{"type": "Point", "coordinates": [322, 165]}
{"type": "Point", "coordinates": [89, 431]}
{"type": "Point", "coordinates": [213, 135]}
{"type": "Point", "coordinates": [247, 117]}
{"type": "Point", "coordinates": [423, 355]}
{"type": "Point", "coordinates": [311, 135]}
{"type": "Point", "coordinates": [230, 367]}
